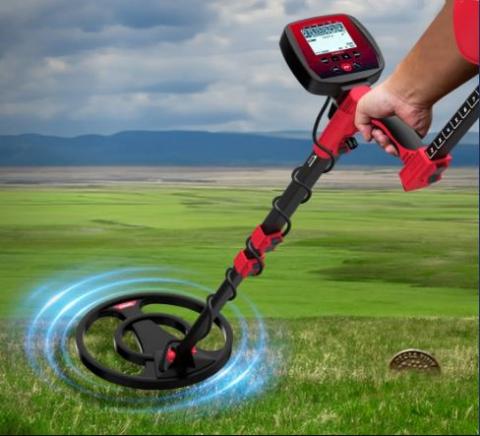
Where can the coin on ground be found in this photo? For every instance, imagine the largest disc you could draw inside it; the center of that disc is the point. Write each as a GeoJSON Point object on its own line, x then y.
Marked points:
{"type": "Point", "coordinates": [413, 359]}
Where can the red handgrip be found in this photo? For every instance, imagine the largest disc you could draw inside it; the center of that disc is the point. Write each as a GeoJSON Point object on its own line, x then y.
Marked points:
{"type": "Point", "coordinates": [341, 126]}
{"type": "Point", "coordinates": [418, 169]}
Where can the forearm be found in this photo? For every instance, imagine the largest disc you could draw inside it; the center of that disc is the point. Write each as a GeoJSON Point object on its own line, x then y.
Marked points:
{"type": "Point", "coordinates": [434, 66]}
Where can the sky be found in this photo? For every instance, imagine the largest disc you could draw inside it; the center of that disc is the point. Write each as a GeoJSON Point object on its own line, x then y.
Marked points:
{"type": "Point", "coordinates": [90, 66]}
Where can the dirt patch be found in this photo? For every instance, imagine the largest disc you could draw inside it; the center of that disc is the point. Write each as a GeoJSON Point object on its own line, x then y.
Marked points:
{"type": "Point", "coordinates": [361, 178]}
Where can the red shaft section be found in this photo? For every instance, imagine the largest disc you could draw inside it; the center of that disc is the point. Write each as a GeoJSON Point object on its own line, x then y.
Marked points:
{"type": "Point", "coordinates": [262, 243]}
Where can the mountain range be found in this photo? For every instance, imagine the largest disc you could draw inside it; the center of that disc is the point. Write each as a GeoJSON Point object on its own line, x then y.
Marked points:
{"type": "Point", "coordinates": [196, 148]}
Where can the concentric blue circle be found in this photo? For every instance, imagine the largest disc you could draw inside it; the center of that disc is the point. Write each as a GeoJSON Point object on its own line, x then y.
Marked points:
{"type": "Point", "coordinates": [60, 306]}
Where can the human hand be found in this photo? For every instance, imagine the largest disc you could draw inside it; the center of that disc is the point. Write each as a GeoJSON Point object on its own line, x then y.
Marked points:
{"type": "Point", "coordinates": [383, 101]}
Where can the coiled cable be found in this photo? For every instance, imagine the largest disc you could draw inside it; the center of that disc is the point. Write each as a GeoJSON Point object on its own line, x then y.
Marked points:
{"type": "Point", "coordinates": [251, 250]}
{"type": "Point", "coordinates": [295, 179]}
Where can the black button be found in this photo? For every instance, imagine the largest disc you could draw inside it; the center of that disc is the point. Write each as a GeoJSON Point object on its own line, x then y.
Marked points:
{"type": "Point", "coordinates": [336, 69]}
{"type": "Point", "coordinates": [452, 125]}
{"type": "Point", "coordinates": [351, 143]}
{"type": "Point", "coordinates": [473, 99]}
{"type": "Point", "coordinates": [431, 152]}
{"type": "Point", "coordinates": [324, 60]}
{"type": "Point", "coordinates": [335, 58]}
{"type": "Point", "coordinates": [464, 110]}
{"type": "Point", "coordinates": [356, 66]}
{"type": "Point", "coordinates": [345, 56]}
{"type": "Point", "coordinates": [447, 131]}
{"type": "Point", "coordinates": [356, 54]}
{"type": "Point", "coordinates": [456, 120]}
{"type": "Point", "coordinates": [438, 141]}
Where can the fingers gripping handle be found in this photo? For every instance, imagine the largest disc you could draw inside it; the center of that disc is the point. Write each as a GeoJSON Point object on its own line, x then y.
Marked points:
{"type": "Point", "coordinates": [418, 170]}
{"type": "Point", "coordinates": [402, 136]}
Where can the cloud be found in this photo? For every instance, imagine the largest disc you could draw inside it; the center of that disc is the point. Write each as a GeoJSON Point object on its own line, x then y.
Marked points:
{"type": "Point", "coordinates": [94, 16]}
{"type": "Point", "coordinates": [293, 7]}
{"type": "Point", "coordinates": [60, 27]}
{"type": "Point", "coordinates": [99, 67]}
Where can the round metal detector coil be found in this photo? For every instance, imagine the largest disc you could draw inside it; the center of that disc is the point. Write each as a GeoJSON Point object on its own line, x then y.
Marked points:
{"type": "Point", "coordinates": [157, 344]}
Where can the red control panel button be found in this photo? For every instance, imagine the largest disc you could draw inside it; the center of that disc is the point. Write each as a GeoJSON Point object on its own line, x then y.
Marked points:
{"type": "Point", "coordinates": [346, 67]}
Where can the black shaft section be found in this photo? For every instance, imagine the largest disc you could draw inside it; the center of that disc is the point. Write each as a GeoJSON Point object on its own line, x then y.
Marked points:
{"type": "Point", "coordinates": [456, 127]}
{"type": "Point", "coordinates": [288, 202]}
{"type": "Point", "coordinates": [202, 325]}
{"type": "Point", "coordinates": [293, 196]}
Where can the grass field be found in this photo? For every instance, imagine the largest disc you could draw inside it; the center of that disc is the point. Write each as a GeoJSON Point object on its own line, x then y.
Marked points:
{"type": "Point", "coordinates": [363, 274]}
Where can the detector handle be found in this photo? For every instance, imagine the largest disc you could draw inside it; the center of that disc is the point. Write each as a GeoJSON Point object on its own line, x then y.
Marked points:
{"type": "Point", "coordinates": [402, 136]}
{"type": "Point", "coordinates": [418, 169]}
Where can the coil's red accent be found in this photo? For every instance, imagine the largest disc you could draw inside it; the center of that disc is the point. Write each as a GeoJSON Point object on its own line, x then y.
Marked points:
{"type": "Point", "coordinates": [171, 355]}
{"type": "Point", "coordinates": [125, 305]}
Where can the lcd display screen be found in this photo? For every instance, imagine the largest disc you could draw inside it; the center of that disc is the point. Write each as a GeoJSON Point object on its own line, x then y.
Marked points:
{"type": "Point", "coordinates": [328, 38]}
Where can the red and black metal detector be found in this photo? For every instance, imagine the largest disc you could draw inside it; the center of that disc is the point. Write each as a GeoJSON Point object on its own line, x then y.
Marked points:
{"type": "Point", "coordinates": [330, 55]}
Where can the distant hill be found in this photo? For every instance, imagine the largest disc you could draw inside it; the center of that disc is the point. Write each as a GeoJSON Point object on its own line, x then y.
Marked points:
{"type": "Point", "coordinates": [191, 148]}
{"type": "Point", "coordinates": [469, 138]}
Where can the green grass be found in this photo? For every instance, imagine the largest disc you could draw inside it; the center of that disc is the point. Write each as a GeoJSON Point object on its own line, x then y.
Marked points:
{"type": "Point", "coordinates": [350, 252]}
{"type": "Point", "coordinates": [362, 275]}
{"type": "Point", "coordinates": [333, 380]}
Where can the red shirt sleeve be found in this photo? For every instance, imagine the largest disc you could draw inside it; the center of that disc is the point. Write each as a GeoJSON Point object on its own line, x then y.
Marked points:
{"type": "Point", "coordinates": [465, 20]}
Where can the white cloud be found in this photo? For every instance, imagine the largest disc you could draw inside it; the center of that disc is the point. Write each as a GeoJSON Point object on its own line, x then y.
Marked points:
{"type": "Point", "coordinates": [101, 67]}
